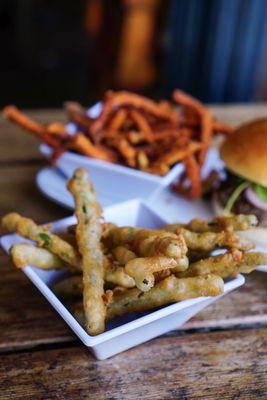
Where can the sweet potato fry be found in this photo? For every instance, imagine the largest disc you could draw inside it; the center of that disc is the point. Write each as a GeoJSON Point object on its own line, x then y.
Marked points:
{"type": "Point", "coordinates": [192, 171]}
{"type": "Point", "coordinates": [57, 129]}
{"type": "Point", "coordinates": [82, 144]}
{"type": "Point", "coordinates": [142, 125]}
{"type": "Point", "coordinates": [127, 99]}
{"type": "Point", "coordinates": [218, 127]}
{"type": "Point", "coordinates": [204, 114]}
{"type": "Point", "coordinates": [15, 115]}
{"type": "Point", "coordinates": [176, 155]}
{"type": "Point", "coordinates": [117, 121]}
{"type": "Point", "coordinates": [142, 160]}
{"type": "Point", "coordinates": [127, 151]}
{"type": "Point", "coordinates": [78, 114]}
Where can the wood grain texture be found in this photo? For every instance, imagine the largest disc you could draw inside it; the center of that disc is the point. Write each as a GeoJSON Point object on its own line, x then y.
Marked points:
{"type": "Point", "coordinates": [217, 365]}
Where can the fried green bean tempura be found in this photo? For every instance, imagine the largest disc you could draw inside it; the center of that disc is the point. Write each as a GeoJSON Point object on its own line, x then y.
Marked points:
{"type": "Point", "coordinates": [225, 265]}
{"type": "Point", "coordinates": [29, 229]}
{"type": "Point", "coordinates": [209, 241]}
{"type": "Point", "coordinates": [26, 254]}
{"type": "Point", "coordinates": [122, 254]}
{"type": "Point", "coordinates": [88, 234]}
{"type": "Point", "coordinates": [167, 291]}
{"type": "Point", "coordinates": [228, 223]}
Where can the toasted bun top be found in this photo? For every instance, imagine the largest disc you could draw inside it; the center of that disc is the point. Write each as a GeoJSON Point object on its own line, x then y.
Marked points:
{"type": "Point", "coordinates": [245, 151]}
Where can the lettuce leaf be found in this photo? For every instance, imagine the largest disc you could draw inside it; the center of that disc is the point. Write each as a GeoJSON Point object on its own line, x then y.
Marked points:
{"type": "Point", "coordinates": [261, 192]}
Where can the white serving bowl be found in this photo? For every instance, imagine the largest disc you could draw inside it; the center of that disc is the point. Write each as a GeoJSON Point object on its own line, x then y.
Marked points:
{"type": "Point", "coordinates": [113, 181]}
{"type": "Point", "coordinates": [133, 329]}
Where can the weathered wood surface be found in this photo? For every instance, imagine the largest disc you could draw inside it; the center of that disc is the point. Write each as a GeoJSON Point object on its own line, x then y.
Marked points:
{"type": "Point", "coordinates": [216, 365]}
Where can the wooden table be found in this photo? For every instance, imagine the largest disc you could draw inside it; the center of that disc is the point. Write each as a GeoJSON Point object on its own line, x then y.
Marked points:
{"type": "Point", "coordinates": [219, 354]}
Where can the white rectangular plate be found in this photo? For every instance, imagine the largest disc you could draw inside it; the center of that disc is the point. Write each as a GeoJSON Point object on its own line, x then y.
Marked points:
{"type": "Point", "coordinates": [133, 329]}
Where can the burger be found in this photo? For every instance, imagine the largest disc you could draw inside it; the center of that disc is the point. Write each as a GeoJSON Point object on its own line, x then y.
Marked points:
{"type": "Point", "coordinates": [243, 188]}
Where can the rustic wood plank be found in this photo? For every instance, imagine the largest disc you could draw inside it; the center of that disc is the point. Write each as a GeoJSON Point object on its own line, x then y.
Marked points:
{"type": "Point", "coordinates": [18, 145]}
{"type": "Point", "coordinates": [27, 320]}
{"type": "Point", "coordinates": [200, 366]}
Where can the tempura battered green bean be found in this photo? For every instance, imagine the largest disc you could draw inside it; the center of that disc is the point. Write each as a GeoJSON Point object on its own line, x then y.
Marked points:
{"type": "Point", "coordinates": [167, 291]}
{"type": "Point", "coordinates": [142, 269]}
{"type": "Point", "coordinates": [118, 276]}
{"type": "Point", "coordinates": [29, 229]}
{"type": "Point", "coordinates": [225, 265]}
{"type": "Point", "coordinates": [26, 254]}
{"type": "Point", "coordinates": [147, 244]}
{"type": "Point", "coordinates": [88, 234]}
{"type": "Point", "coordinates": [122, 254]}
{"type": "Point", "coordinates": [239, 222]}
{"type": "Point", "coordinates": [209, 241]}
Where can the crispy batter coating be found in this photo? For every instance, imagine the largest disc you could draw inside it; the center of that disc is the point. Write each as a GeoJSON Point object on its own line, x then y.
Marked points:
{"type": "Point", "coordinates": [28, 229]}
{"type": "Point", "coordinates": [122, 254]}
{"type": "Point", "coordinates": [239, 222]}
{"type": "Point", "coordinates": [142, 270]}
{"type": "Point", "coordinates": [118, 276]}
{"type": "Point", "coordinates": [27, 254]}
{"type": "Point", "coordinates": [88, 234]}
{"type": "Point", "coordinates": [167, 291]}
{"type": "Point", "coordinates": [227, 264]}
{"type": "Point", "coordinates": [209, 241]}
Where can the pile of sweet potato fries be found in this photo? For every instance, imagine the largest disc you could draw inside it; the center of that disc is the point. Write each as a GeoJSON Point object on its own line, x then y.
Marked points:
{"type": "Point", "coordinates": [137, 132]}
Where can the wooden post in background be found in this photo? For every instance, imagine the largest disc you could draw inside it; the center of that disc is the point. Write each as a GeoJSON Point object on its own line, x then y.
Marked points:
{"type": "Point", "coordinates": [135, 66]}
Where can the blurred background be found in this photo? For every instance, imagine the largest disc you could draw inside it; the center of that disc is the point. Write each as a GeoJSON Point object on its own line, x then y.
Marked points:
{"type": "Point", "coordinates": [57, 50]}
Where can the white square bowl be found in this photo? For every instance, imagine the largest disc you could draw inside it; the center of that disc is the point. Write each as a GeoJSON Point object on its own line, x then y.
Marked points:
{"type": "Point", "coordinates": [126, 182]}
{"type": "Point", "coordinates": [113, 181]}
{"type": "Point", "coordinates": [128, 331]}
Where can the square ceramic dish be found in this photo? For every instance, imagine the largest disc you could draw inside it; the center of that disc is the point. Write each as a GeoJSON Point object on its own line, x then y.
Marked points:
{"type": "Point", "coordinates": [113, 181]}
{"type": "Point", "coordinates": [125, 181]}
{"type": "Point", "coordinates": [124, 332]}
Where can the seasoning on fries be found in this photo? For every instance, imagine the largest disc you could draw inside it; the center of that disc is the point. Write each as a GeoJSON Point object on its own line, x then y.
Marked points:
{"type": "Point", "coordinates": [137, 132]}
{"type": "Point", "coordinates": [118, 270]}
